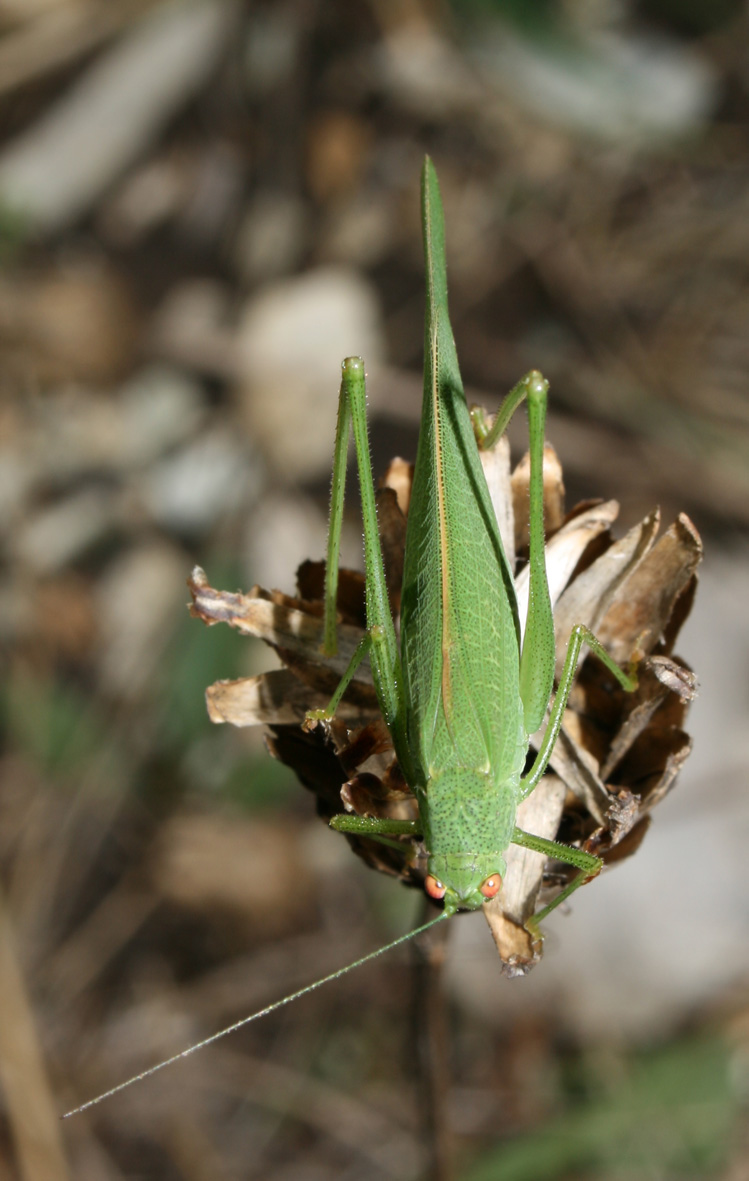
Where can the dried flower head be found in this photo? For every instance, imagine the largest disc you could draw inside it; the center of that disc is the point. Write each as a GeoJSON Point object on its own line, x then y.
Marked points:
{"type": "Point", "coordinates": [618, 753]}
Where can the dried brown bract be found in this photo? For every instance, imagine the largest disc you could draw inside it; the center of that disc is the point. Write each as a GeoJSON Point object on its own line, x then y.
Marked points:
{"type": "Point", "coordinates": [618, 754]}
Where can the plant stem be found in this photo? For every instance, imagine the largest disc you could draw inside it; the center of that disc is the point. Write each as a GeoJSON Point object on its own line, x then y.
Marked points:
{"type": "Point", "coordinates": [431, 1050]}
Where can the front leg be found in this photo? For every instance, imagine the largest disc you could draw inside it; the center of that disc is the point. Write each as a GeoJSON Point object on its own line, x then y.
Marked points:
{"type": "Point", "coordinates": [589, 865]}
{"type": "Point", "coordinates": [378, 828]}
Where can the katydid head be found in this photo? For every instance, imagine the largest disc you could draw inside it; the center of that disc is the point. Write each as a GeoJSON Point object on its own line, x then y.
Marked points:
{"type": "Point", "coordinates": [462, 883]}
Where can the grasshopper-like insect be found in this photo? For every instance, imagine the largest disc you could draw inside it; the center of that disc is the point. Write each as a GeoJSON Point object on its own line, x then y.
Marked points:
{"type": "Point", "coordinates": [460, 695]}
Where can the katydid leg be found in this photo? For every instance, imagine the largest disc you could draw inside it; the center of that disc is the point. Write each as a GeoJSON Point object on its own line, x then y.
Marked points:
{"type": "Point", "coordinates": [487, 436]}
{"type": "Point", "coordinates": [537, 656]}
{"type": "Point", "coordinates": [324, 715]}
{"type": "Point", "coordinates": [532, 926]}
{"type": "Point", "coordinates": [588, 864]}
{"type": "Point", "coordinates": [335, 522]}
{"type": "Point", "coordinates": [580, 635]}
{"type": "Point", "coordinates": [377, 828]}
{"type": "Point", "coordinates": [382, 646]}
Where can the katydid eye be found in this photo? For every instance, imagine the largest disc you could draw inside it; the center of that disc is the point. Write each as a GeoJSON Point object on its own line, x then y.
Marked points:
{"type": "Point", "coordinates": [491, 886]}
{"type": "Point", "coordinates": [434, 888]}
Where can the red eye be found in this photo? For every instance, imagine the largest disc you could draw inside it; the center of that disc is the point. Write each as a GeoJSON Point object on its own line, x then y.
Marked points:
{"type": "Point", "coordinates": [434, 888]}
{"type": "Point", "coordinates": [491, 886]}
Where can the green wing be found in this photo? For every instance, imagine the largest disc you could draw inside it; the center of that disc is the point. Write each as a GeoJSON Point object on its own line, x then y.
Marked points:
{"type": "Point", "coordinates": [459, 625]}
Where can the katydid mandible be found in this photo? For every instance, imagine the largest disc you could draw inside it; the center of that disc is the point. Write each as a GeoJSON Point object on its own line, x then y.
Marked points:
{"type": "Point", "coordinates": [460, 695]}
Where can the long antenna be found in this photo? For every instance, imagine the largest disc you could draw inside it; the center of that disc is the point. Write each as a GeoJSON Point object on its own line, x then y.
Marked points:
{"type": "Point", "coordinates": [294, 996]}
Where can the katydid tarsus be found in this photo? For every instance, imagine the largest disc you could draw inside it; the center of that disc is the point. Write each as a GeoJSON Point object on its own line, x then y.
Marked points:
{"type": "Point", "coordinates": [459, 693]}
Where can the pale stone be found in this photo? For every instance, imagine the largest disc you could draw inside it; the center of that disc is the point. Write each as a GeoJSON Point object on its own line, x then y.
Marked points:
{"type": "Point", "coordinates": [292, 340]}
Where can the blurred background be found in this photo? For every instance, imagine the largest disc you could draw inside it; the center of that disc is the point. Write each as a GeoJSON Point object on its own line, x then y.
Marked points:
{"type": "Point", "coordinates": [205, 206]}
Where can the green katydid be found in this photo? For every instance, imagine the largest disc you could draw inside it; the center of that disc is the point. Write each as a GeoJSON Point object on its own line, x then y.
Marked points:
{"type": "Point", "coordinates": [459, 693]}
